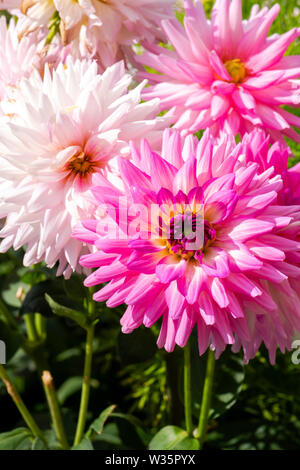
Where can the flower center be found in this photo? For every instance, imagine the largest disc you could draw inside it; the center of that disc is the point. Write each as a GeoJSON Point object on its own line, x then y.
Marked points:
{"type": "Point", "coordinates": [189, 235]}
{"type": "Point", "coordinates": [80, 167]}
{"type": "Point", "coordinates": [81, 164]}
{"type": "Point", "coordinates": [236, 70]}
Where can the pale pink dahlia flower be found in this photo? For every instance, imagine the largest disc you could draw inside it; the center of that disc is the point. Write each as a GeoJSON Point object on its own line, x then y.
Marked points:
{"type": "Point", "coordinates": [228, 285]}
{"type": "Point", "coordinates": [225, 73]}
{"type": "Point", "coordinates": [101, 28]}
{"type": "Point", "coordinates": [55, 133]}
{"type": "Point", "coordinates": [18, 56]}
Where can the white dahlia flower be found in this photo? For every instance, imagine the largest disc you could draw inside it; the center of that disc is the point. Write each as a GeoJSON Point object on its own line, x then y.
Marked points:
{"type": "Point", "coordinates": [55, 133]}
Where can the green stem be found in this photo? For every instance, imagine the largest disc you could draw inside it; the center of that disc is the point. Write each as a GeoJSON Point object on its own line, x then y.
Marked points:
{"type": "Point", "coordinates": [40, 325]}
{"type": "Point", "coordinates": [29, 420]}
{"type": "Point", "coordinates": [30, 327]}
{"type": "Point", "coordinates": [187, 389]}
{"type": "Point", "coordinates": [36, 331]}
{"type": "Point", "coordinates": [51, 396]}
{"type": "Point", "coordinates": [86, 385]}
{"type": "Point", "coordinates": [206, 397]}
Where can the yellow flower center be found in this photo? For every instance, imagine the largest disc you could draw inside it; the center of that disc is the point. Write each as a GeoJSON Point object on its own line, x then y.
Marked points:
{"type": "Point", "coordinates": [236, 70]}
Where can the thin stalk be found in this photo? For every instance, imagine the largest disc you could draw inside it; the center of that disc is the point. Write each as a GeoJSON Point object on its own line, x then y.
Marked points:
{"type": "Point", "coordinates": [28, 418]}
{"type": "Point", "coordinates": [86, 385]}
{"type": "Point", "coordinates": [30, 327]}
{"type": "Point", "coordinates": [187, 390]}
{"type": "Point", "coordinates": [36, 332]}
{"type": "Point", "coordinates": [54, 408]}
{"type": "Point", "coordinates": [206, 397]}
{"type": "Point", "coordinates": [40, 325]}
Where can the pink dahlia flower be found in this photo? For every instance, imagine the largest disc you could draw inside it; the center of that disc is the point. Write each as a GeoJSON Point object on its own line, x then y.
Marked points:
{"type": "Point", "coordinates": [227, 283]}
{"type": "Point", "coordinates": [101, 28]}
{"type": "Point", "coordinates": [290, 193]}
{"type": "Point", "coordinates": [225, 73]}
{"type": "Point", "coordinates": [55, 134]}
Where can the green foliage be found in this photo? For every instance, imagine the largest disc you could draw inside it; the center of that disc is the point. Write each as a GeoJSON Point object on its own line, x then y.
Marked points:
{"type": "Point", "coordinates": [85, 444]}
{"type": "Point", "coordinates": [62, 311]}
{"type": "Point", "coordinates": [173, 438]}
{"type": "Point", "coordinates": [228, 381]}
{"type": "Point", "coordinates": [18, 439]}
{"type": "Point", "coordinates": [98, 425]}
{"type": "Point", "coordinates": [254, 407]}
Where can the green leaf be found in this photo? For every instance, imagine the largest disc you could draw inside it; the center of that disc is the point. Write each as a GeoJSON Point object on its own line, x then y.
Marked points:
{"type": "Point", "coordinates": [138, 346]}
{"type": "Point", "coordinates": [18, 439]}
{"type": "Point", "coordinates": [79, 317]}
{"type": "Point", "coordinates": [85, 444]}
{"type": "Point", "coordinates": [98, 425]}
{"type": "Point", "coordinates": [68, 388]}
{"type": "Point", "coordinates": [9, 294]}
{"type": "Point", "coordinates": [173, 438]}
{"type": "Point", "coordinates": [38, 444]}
{"type": "Point", "coordinates": [131, 430]}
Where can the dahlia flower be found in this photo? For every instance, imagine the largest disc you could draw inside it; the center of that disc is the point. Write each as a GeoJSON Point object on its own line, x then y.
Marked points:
{"type": "Point", "coordinates": [225, 73]}
{"type": "Point", "coordinates": [226, 272]}
{"type": "Point", "coordinates": [17, 56]}
{"type": "Point", "coordinates": [99, 28]}
{"type": "Point", "coordinates": [55, 133]}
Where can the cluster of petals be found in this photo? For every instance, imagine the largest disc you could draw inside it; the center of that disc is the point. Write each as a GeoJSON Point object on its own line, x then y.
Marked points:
{"type": "Point", "coordinates": [240, 288]}
{"type": "Point", "coordinates": [56, 131]}
{"type": "Point", "coordinates": [226, 73]}
{"type": "Point", "coordinates": [18, 56]}
{"type": "Point", "coordinates": [100, 28]}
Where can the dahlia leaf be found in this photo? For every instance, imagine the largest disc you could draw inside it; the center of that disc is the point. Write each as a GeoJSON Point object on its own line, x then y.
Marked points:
{"type": "Point", "coordinates": [17, 439]}
{"type": "Point", "coordinates": [85, 444]}
{"type": "Point", "coordinates": [62, 311]}
{"type": "Point", "coordinates": [173, 438]}
{"type": "Point", "coordinates": [98, 425]}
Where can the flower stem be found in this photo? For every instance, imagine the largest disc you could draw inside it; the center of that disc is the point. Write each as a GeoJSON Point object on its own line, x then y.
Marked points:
{"type": "Point", "coordinates": [36, 332]}
{"type": "Point", "coordinates": [86, 385]}
{"type": "Point", "coordinates": [28, 418]}
{"type": "Point", "coordinates": [54, 409]}
{"type": "Point", "coordinates": [30, 327]}
{"type": "Point", "coordinates": [187, 390]}
{"type": "Point", "coordinates": [206, 397]}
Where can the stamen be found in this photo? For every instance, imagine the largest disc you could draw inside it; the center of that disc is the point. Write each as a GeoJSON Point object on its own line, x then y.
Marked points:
{"type": "Point", "coordinates": [81, 165]}
{"type": "Point", "coordinates": [187, 229]}
{"type": "Point", "coordinates": [236, 70]}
